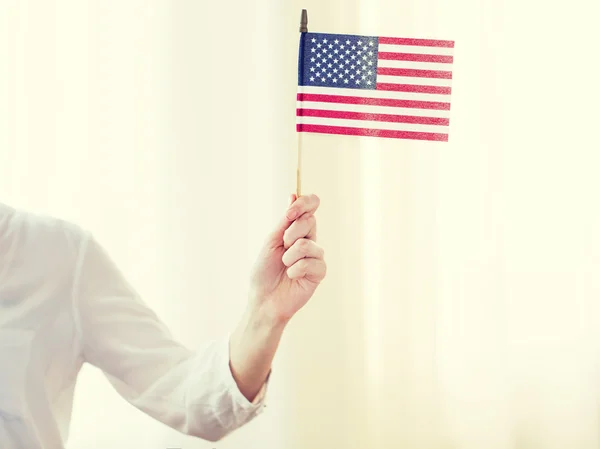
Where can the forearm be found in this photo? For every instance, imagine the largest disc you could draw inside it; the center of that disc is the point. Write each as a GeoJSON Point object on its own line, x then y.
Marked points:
{"type": "Point", "coordinates": [252, 348]}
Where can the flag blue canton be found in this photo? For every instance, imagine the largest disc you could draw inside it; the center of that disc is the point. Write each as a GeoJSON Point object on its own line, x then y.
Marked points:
{"type": "Point", "coordinates": [338, 60]}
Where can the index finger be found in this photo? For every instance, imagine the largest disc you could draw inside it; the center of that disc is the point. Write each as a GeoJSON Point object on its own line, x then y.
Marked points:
{"type": "Point", "coordinates": [304, 204]}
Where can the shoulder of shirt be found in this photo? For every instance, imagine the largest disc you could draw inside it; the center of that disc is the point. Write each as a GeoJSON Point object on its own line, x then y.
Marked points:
{"type": "Point", "coordinates": [44, 248]}
{"type": "Point", "coordinates": [46, 232]}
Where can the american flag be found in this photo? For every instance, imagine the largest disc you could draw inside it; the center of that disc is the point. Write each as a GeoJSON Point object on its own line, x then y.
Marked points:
{"type": "Point", "coordinates": [374, 86]}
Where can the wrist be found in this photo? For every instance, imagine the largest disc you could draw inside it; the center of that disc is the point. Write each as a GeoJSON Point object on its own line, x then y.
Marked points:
{"type": "Point", "coordinates": [252, 347]}
{"type": "Point", "coordinates": [260, 315]}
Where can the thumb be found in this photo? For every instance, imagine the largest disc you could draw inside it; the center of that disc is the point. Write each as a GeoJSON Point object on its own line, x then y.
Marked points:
{"type": "Point", "coordinates": [292, 199]}
{"type": "Point", "coordinates": [276, 237]}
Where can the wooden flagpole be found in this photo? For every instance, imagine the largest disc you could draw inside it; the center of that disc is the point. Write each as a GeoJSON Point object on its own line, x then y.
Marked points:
{"type": "Point", "coordinates": [299, 169]}
{"type": "Point", "coordinates": [303, 29]}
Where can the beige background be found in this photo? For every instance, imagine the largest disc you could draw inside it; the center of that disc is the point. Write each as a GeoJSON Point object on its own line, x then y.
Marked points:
{"type": "Point", "coordinates": [461, 306]}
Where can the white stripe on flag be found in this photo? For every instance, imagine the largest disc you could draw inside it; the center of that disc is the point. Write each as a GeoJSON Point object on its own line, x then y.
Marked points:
{"type": "Point", "coordinates": [414, 80]}
{"type": "Point", "coordinates": [364, 93]}
{"type": "Point", "coordinates": [367, 109]}
{"type": "Point", "coordinates": [416, 49]}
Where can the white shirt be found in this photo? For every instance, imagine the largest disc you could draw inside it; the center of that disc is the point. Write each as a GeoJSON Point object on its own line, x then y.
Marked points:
{"type": "Point", "coordinates": [63, 302]}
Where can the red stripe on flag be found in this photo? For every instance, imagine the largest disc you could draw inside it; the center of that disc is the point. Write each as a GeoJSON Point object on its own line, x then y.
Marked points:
{"type": "Point", "coordinates": [414, 88]}
{"type": "Point", "coordinates": [322, 129]}
{"type": "Point", "coordinates": [416, 42]}
{"type": "Point", "coordinates": [442, 74]}
{"type": "Point", "coordinates": [373, 117]}
{"type": "Point", "coordinates": [390, 56]}
{"type": "Point", "coordinates": [437, 105]}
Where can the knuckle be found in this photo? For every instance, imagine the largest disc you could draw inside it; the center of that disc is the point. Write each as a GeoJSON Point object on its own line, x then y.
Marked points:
{"type": "Point", "coordinates": [316, 199]}
{"type": "Point", "coordinates": [304, 245]}
{"type": "Point", "coordinates": [321, 252]}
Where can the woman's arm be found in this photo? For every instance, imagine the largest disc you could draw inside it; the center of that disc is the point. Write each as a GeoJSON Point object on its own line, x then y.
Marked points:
{"type": "Point", "coordinates": [286, 274]}
{"type": "Point", "coordinates": [206, 393]}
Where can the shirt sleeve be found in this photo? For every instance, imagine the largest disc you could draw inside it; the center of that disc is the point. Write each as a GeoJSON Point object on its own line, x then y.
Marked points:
{"type": "Point", "coordinates": [193, 392]}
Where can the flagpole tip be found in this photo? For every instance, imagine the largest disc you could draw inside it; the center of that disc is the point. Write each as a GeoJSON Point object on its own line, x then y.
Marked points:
{"type": "Point", "coordinates": [304, 22]}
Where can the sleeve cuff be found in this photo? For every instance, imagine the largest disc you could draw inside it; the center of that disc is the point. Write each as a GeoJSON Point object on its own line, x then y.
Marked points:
{"type": "Point", "coordinates": [259, 402]}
